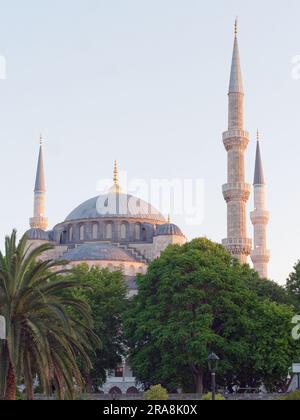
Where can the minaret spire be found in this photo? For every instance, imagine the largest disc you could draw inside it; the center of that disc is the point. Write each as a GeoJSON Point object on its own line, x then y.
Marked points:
{"type": "Point", "coordinates": [236, 192]}
{"type": "Point", "coordinates": [260, 218]}
{"type": "Point", "coordinates": [259, 178]}
{"type": "Point", "coordinates": [39, 221]}
{"type": "Point", "coordinates": [236, 26]}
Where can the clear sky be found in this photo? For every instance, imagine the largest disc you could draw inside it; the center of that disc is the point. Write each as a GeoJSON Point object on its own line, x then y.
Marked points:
{"type": "Point", "coordinates": [145, 82]}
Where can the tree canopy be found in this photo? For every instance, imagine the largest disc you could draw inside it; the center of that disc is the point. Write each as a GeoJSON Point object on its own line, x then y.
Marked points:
{"type": "Point", "coordinates": [197, 298]}
{"type": "Point", "coordinates": [293, 285]}
{"type": "Point", "coordinates": [105, 293]}
{"type": "Point", "coordinates": [44, 338]}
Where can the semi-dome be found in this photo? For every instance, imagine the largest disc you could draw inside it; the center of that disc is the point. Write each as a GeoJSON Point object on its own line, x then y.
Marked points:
{"type": "Point", "coordinates": [100, 252]}
{"type": "Point", "coordinates": [168, 229]}
{"type": "Point", "coordinates": [116, 204]}
{"type": "Point", "coordinates": [37, 235]}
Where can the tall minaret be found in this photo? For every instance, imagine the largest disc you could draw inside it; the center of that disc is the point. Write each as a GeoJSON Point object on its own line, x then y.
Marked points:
{"type": "Point", "coordinates": [260, 218]}
{"type": "Point", "coordinates": [39, 221]}
{"type": "Point", "coordinates": [236, 192]}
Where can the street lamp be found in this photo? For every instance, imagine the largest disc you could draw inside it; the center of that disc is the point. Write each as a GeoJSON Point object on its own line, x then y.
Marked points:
{"type": "Point", "coordinates": [2, 328]}
{"type": "Point", "coordinates": [213, 361]}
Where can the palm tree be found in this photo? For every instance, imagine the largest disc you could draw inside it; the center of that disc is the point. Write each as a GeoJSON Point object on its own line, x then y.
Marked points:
{"type": "Point", "coordinates": [45, 338]}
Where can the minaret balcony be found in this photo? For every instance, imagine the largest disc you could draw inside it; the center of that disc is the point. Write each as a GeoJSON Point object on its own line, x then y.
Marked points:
{"type": "Point", "coordinates": [238, 246]}
{"type": "Point", "coordinates": [239, 191]}
{"type": "Point", "coordinates": [236, 139]}
{"type": "Point", "coordinates": [260, 255]}
{"type": "Point", "coordinates": [260, 217]}
{"type": "Point", "coordinates": [39, 223]}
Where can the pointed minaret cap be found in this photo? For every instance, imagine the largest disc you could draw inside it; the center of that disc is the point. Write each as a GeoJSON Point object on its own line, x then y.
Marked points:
{"type": "Point", "coordinates": [40, 185]}
{"type": "Point", "coordinates": [236, 80]}
{"type": "Point", "coordinates": [259, 178]}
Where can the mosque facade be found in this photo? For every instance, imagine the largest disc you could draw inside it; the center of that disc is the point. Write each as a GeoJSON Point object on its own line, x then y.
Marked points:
{"type": "Point", "coordinates": [121, 232]}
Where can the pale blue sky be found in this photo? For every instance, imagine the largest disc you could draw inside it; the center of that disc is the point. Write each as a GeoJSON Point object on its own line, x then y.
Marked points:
{"type": "Point", "coordinates": [145, 82]}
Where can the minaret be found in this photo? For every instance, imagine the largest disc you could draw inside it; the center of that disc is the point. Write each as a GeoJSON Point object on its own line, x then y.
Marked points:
{"type": "Point", "coordinates": [39, 221]}
{"type": "Point", "coordinates": [236, 192]}
{"type": "Point", "coordinates": [260, 218]}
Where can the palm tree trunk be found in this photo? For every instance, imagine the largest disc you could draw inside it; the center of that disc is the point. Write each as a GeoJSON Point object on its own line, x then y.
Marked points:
{"type": "Point", "coordinates": [11, 385]}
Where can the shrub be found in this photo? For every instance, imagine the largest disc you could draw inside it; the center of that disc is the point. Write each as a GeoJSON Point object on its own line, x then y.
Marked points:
{"type": "Point", "coordinates": [293, 396]}
{"type": "Point", "coordinates": [156, 393]}
{"type": "Point", "coordinates": [208, 397]}
{"type": "Point", "coordinates": [19, 395]}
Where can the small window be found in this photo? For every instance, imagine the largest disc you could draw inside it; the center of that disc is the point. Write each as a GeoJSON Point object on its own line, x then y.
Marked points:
{"type": "Point", "coordinates": [95, 231]}
{"type": "Point", "coordinates": [119, 372]}
{"type": "Point", "coordinates": [108, 231]}
{"type": "Point", "coordinates": [81, 233]}
{"type": "Point", "coordinates": [144, 234]}
{"type": "Point", "coordinates": [71, 234]}
{"type": "Point", "coordinates": [137, 232]}
{"type": "Point", "coordinates": [123, 231]}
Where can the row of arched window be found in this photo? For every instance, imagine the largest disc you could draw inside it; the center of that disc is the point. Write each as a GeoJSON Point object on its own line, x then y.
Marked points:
{"type": "Point", "coordinates": [139, 233]}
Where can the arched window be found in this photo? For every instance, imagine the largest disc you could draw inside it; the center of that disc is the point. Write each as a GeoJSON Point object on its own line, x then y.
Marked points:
{"type": "Point", "coordinates": [71, 234]}
{"type": "Point", "coordinates": [95, 231]}
{"type": "Point", "coordinates": [108, 231]}
{"type": "Point", "coordinates": [115, 391]}
{"type": "Point", "coordinates": [144, 235]}
{"type": "Point", "coordinates": [132, 391]}
{"type": "Point", "coordinates": [63, 237]}
{"type": "Point", "coordinates": [137, 232]}
{"type": "Point", "coordinates": [81, 233]}
{"type": "Point", "coordinates": [131, 271]}
{"type": "Point", "coordinates": [123, 231]}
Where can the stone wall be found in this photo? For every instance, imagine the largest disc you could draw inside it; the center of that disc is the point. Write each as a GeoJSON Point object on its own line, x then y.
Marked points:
{"type": "Point", "coordinates": [175, 397]}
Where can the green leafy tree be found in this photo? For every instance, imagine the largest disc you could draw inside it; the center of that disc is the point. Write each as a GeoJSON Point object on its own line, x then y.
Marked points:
{"type": "Point", "coordinates": [43, 339]}
{"type": "Point", "coordinates": [198, 298]}
{"type": "Point", "coordinates": [106, 295]}
{"type": "Point", "coordinates": [293, 285]}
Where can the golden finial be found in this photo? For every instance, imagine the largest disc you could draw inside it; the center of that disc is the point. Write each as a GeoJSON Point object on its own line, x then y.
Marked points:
{"type": "Point", "coordinates": [236, 26]}
{"type": "Point", "coordinates": [41, 140]}
{"type": "Point", "coordinates": [116, 187]}
{"type": "Point", "coordinates": [169, 219]}
{"type": "Point", "coordinates": [116, 173]}
{"type": "Point", "coordinates": [258, 135]}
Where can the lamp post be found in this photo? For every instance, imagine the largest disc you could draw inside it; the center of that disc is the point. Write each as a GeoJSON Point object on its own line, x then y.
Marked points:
{"type": "Point", "coordinates": [2, 328]}
{"type": "Point", "coordinates": [213, 361]}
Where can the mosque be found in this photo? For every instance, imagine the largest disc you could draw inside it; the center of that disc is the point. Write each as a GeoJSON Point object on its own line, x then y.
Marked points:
{"type": "Point", "coordinates": [119, 231]}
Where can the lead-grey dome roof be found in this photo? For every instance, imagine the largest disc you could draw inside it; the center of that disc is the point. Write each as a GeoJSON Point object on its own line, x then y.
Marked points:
{"type": "Point", "coordinates": [115, 205]}
{"type": "Point", "coordinates": [99, 252]}
{"type": "Point", "coordinates": [168, 229]}
{"type": "Point", "coordinates": [37, 235]}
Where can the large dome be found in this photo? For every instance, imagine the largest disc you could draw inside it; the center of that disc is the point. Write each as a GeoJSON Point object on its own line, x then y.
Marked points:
{"type": "Point", "coordinates": [116, 205]}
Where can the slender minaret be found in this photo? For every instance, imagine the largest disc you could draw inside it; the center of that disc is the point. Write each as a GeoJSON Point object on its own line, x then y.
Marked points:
{"type": "Point", "coordinates": [39, 221]}
{"type": "Point", "coordinates": [260, 218]}
{"type": "Point", "coordinates": [236, 192]}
